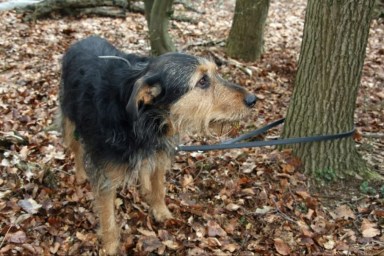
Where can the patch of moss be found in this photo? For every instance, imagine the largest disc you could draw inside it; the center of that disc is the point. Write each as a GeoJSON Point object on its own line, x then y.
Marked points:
{"type": "Point", "coordinates": [367, 189]}
{"type": "Point", "coordinates": [325, 176]}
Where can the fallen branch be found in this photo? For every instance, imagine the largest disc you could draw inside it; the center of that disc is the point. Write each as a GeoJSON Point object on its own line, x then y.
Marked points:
{"type": "Point", "coordinates": [111, 8]}
{"type": "Point", "coordinates": [246, 69]}
{"type": "Point", "coordinates": [203, 43]}
{"type": "Point", "coordinates": [10, 138]}
{"type": "Point", "coordinates": [104, 11]}
{"type": "Point", "coordinates": [36, 9]}
{"type": "Point", "coordinates": [189, 7]}
{"type": "Point", "coordinates": [184, 19]}
{"type": "Point", "coordinates": [374, 135]}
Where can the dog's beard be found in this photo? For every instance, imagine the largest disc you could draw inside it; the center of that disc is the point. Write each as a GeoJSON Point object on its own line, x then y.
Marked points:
{"type": "Point", "coordinates": [223, 128]}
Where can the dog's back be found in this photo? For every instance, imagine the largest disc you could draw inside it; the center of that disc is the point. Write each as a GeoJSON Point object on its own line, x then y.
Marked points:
{"type": "Point", "coordinates": [94, 93]}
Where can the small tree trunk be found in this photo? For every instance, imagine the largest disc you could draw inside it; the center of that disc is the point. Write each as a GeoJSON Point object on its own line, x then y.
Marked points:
{"type": "Point", "coordinates": [328, 77]}
{"type": "Point", "coordinates": [157, 15]}
{"type": "Point", "coordinates": [148, 4]}
{"type": "Point", "coordinates": [245, 39]}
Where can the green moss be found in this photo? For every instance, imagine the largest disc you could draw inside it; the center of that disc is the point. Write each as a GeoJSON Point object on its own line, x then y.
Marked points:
{"type": "Point", "coordinates": [325, 176]}
{"type": "Point", "coordinates": [382, 191]}
{"type": "Point", "coordinates": [367, 189]}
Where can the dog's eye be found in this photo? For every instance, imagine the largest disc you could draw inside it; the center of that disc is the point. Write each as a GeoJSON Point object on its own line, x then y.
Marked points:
{"type": "Point", "coordinates": [203, 82]}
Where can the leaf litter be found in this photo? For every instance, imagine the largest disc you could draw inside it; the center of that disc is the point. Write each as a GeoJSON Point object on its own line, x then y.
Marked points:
{"type": "Point", "coordinates": [235, 202]}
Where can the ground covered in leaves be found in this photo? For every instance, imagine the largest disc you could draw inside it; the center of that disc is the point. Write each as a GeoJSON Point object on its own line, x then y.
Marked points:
{"type": "Point", "coordinates": [235, 202]}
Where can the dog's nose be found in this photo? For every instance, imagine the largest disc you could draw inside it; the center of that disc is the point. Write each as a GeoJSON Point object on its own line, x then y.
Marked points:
{"type": "Point", "coordinates": [250, 100]}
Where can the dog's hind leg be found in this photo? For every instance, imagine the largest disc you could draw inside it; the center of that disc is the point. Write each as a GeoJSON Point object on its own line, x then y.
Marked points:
{"type": "Point", "coordinates": [76, 147]}
{"type": "Point", "coordinates": [81, 176]}
{"type": "Point", "coordinates": [152, 178]}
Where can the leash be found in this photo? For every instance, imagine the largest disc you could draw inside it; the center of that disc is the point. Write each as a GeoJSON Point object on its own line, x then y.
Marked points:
{"type": "Point", "coordinates": [234, 143]}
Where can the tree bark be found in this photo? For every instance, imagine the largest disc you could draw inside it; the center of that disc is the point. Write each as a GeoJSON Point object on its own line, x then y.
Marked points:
{"type": "Point", "coordinates": [157, 14]}
{"type": "Point", "coordinates": [245, 39]}
{"type": "Point", "coordinates": [328, 78]}
{"type": "Point", "coordinates": [148, 4]}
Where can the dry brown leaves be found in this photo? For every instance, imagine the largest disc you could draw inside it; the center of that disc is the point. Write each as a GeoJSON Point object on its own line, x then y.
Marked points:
{"type": "Point", "coordinates": [237, 202]}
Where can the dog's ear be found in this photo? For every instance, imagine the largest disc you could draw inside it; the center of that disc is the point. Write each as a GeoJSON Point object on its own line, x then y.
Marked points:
{"type": "Point", "coordinates": [143, 93]}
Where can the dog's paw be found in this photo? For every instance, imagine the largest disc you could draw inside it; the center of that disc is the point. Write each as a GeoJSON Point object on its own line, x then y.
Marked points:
{"type": "Point", "coordinates": [110, 249]}
{"type": "Point", "coordinates": [161, 214]}
{"type": "Point", "coordinates": [110, 238]}
{"type": "Point", "coordinates": [81, 177]}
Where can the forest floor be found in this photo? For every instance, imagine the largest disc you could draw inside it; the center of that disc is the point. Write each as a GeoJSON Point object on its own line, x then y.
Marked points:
{"type": "Point", "coordinates": [234, 202]}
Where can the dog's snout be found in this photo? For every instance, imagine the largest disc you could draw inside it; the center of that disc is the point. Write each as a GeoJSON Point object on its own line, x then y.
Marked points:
{"type": "Point", "coordinates": [250, 100]}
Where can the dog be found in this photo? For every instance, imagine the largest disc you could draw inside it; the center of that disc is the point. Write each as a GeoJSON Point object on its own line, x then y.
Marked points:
{"type": "Point", "coordinates": [122, 116]}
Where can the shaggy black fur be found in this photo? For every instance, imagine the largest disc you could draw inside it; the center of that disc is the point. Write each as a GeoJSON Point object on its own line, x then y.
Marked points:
{"type": "Point", "coordinates": [95, 93]}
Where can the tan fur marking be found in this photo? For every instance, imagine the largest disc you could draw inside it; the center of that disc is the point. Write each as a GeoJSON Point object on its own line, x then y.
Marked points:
{"type": "Point", "coordinates": [202, 68]}
{"type": "Point", "coordinates": [76, 148]}
{"type": "Point", "coordinates": [205, 67]}
{"type": "Point", "coordinates": [152, 178]}
{"type": "Point", "coordinates": [218, 103]}
{"type": "Point", "coordinates": [119, 175]}
{"type": "Point", "coordinates": [147, 94]}
{"type": "Point", "coordinates": [109, 231]}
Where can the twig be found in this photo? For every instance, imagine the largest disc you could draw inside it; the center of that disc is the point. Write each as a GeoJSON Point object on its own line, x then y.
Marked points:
{"type": "Point", "coordinates": [377, 253]}
{"type": "Point", "coordinates": [285, 216]}
{"type": "Point", "coordinates": [373, 135]}
{"type": "Point", "coordinates": [5, 236]}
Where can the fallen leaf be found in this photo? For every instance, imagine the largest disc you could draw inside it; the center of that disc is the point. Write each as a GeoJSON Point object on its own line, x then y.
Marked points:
{"type": "Point", "coordinates": [230, 247]}
{"type": "Point", "coordinates": [187, 181]}
{"type": "Point", "coordinates": [24, 153]}
{"type": "Point", "coordinates": [303, 194]}
{"type": "Point", "coordinates": [146, 232]}
{"type": "Point", "coordinates": [214, 229]}
{"type": "Point", "coordinates": [343, 212]}
{"type": "Point", "coordinates": [171, 244]}
{"type": "Point", "coordinates": [81, 236]}
{"type": "Point", "coordinates": [29, 205]}
{"type": "Point", "coordinates": [319, 225]}
{"type": "Point", "coordinates": [287, 168]}
{"type": "Point", "coordinates": [19, 237]}
{"type": "Point", "coordinates": [369, 229]}
{"type": "Point", "coordinates": [281, 247]}
{"type": "Point", "coordinates": [212, 242]}
{"type": "Point", "coordinates": [248, 191]}
{"type": "Point", "coordinates": [263, 210]}
{"type": "Point", "coordinates": [330, 244]}
{"type": "Point", "coordinates": [148, 243]}
{"type": "Point", "coordinates": [199, 229]}
{"type": "Point", "coordinates": [196, 252]}
{"type": "Point", "coordinates": [232, 207]}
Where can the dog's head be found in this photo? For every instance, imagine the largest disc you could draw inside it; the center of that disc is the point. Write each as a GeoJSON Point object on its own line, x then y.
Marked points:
{"type": "Point", "coordinates": [192, 92]}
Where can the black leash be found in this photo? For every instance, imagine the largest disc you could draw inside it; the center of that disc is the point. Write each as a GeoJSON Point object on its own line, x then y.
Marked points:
{"type": "Point", "coordinates": [231, 144]}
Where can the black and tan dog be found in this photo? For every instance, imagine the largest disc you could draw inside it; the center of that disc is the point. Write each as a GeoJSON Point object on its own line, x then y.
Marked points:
{"type": "Point", "coordinates": [121, 116]}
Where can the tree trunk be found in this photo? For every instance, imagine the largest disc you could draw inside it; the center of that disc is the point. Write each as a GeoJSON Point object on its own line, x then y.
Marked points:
{"type": "Point", "coordinates": [328, 77]}
{"type": "Point", "coordinates": [148, 4]}
{"type": "Point", "coordinates": [158, 20]}
{"type": "Point", "coordinates": [245, 39]}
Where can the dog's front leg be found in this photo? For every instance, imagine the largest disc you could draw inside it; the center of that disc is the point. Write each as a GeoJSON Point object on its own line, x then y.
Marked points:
{"type": "Point", "coordinates": [109, 231]}
{"type": "Point", "coordinates": [152, 178]}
